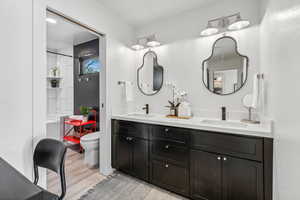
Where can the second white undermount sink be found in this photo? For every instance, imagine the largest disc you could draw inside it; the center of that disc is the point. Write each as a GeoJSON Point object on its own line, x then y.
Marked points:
{"type": "Point", "coordinates": [224, 123]}
{"type": "Point", "coordinates": [140, 115]}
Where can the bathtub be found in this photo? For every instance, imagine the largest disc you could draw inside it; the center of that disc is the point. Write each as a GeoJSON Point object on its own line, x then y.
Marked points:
{"type": "Point", "coordinates": [55, 125]}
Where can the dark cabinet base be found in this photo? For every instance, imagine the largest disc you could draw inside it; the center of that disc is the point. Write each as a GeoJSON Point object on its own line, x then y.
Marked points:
{"type": "Point", "coordinates": [200, 165]}
{"type": "Point", "coordinates": [205, 174]}
{"type": "Point", "coordinates": [169, 176]}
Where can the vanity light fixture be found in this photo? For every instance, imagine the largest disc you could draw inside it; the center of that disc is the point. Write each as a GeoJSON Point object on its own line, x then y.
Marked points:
{"type": "Point", "coordinates": [222, 24]}
{"type": "Point", "coordinates": [210, 30]}
{"type": "Point", "coordinates": [137, 47]}
{"type": "Point", "coordinates": [144, 42]}
{"type": "Point", "coordinates": [51, 20]}
{"type": "Point", "coordinates": [152, 41]}
{"type": "Point", "coordinates": [239, 24]}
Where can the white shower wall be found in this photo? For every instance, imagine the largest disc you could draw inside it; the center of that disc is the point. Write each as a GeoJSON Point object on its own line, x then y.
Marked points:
{"type": "Point", "coordinates": [60, 101]}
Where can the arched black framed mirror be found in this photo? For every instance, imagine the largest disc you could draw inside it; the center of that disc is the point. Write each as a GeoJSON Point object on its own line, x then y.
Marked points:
{"type": "Point", "coordinates": [226, 70]}
{"type": "Point", "coordinates": [150, 76]}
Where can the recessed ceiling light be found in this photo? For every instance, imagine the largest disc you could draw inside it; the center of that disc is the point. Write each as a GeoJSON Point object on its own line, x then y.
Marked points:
{"type": "Point", "coordinates": [239, 24]}
{"type": "Point", "coordinates": [51, 20]}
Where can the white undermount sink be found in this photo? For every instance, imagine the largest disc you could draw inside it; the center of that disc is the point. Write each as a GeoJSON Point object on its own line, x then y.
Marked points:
{"type": "Point", "coordinates": [140, 115]}
{"type": "Point", "coordinates": [215, 122]}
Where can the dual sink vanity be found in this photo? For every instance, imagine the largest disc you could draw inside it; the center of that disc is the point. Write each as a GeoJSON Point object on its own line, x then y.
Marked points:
{"type": "Point", "coordinates": [202, 159]}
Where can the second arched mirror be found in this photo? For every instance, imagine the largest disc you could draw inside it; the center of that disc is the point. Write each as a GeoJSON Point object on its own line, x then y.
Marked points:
{"type": "Point", "coordinates": [150, 75]}
{"type": "Point", "coordinates": [226, 70]}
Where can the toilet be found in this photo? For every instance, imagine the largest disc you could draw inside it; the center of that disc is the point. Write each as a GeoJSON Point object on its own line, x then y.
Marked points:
{"type": "Point", "coordinates": [90, 144]}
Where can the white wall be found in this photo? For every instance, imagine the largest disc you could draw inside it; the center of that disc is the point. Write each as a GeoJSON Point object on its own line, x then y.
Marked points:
{"type": "Point", "coordinates": [184, 52]}
{"type": "Point", "coordinates": [61, 101]}
{"type": "Point", "coordinates": [280, 39]}
{"type": "Point", "coordinates": [189, 25]}
{"type": "Point", "coordinates": [16, 83]}
{"type": "Point", "coordinates": [22, 84]}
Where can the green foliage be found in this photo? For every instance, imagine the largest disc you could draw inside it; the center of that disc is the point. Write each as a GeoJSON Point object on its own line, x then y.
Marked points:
{"type": "Point", "coordinates": [85, 110]}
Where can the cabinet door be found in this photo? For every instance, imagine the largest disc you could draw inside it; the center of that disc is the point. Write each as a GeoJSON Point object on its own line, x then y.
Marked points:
{"type": "Point", "coordinates": [170, 176]}
{"type": "Point", "coordinates": [242, 179]}
{"type": "Point", "coordinates": [124, 154]}
{"type": "Point", "coordinates": [140, 167]}
{"type": "Point", "coordinates": [205, 173]}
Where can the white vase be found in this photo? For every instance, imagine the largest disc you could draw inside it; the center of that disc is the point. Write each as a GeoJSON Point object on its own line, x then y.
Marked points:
{"type": "Point", "coordinates": [85, 118]}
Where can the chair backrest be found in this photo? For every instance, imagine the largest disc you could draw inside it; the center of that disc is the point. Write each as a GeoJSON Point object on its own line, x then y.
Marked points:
{"type": "Point", "coordinates": [50, 154]}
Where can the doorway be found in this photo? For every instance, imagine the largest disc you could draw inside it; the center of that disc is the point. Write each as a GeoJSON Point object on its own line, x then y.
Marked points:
{"type": "Point", "coordinates": [75, 78]}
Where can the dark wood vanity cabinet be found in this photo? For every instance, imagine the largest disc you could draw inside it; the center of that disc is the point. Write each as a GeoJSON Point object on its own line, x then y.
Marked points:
{"type": "Point", "coordinates": [218, 177]}
{"type": "Point", "coordinates": [198, 164]}
{"type": "Point", "coordinates": [229, 167]}
{"type": "Point", "coordinates": [169, 158]}
{"type": "Point", "coordinates": [206, 174]}
{"type": "Point", "coordinates": [130, 153]}
{"type": "Point", "coordinates": [242, 179]}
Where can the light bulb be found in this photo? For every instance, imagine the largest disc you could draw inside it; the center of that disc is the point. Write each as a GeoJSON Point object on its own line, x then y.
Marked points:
{"type": "Point", "coordinates": [137, 47]}
{"type": "Point", "coordinates": [152, 41]}
{"type": "Point", "coordinates": [209, 31]}
{"type": "Point", "coordinates": [239, 24]}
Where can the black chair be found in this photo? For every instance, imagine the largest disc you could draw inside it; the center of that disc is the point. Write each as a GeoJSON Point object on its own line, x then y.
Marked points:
{"type": "Point", "coordinates": [50, 154]}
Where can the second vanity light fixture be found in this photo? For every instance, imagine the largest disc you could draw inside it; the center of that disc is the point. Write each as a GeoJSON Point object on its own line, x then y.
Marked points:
{"type": "Point", "coordinates": [144, 42]}
{"type": "Point", "coordinates": [228, 23]}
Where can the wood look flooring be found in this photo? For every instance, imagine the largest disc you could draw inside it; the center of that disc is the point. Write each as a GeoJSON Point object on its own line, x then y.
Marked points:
{"type": "Point", "coordinates": [79, 177]}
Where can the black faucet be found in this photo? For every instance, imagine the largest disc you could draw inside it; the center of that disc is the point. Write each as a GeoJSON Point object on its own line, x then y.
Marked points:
{"type": "Point", "coordinates": [146, 107]}
{"type": "Point", "coordinates": [223, 113]}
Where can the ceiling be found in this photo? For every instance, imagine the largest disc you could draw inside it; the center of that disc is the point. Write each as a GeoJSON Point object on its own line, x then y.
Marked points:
{"type": "Point", "coordinates": [65, 34]}
{"type": "Point", "coordinates": [141, 12]}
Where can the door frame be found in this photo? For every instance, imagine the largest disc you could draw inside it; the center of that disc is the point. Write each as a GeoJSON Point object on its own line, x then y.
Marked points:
{"type": "Point", "coordinates": [39, 72]}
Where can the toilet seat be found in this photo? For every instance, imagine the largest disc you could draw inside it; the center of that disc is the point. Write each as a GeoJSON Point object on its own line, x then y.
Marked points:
{"type": "Point", "coordinates": [90, 137]}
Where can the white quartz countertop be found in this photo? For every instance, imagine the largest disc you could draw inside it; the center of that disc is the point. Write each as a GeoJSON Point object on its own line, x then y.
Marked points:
{"type": "Point", "coordinates": [263, 129]}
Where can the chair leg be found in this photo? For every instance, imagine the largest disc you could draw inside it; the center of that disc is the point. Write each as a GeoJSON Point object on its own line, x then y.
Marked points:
{"type": "Point", "coordinates": [36, 174]}
{"type": "Point", "coordinates": [63, 182]}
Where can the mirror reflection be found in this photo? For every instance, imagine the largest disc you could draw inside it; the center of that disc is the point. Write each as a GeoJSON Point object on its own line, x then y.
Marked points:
{"type": "Point", "coordinates": [150, 74]}
{"type": "Point", "coordinates": [226, 70]}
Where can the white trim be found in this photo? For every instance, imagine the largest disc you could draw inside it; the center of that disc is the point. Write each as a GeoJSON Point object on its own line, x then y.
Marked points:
{"type": "Point", "coordinates": [38, 76]}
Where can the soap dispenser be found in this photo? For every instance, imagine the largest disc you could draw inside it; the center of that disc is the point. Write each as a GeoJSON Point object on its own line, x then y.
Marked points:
{"type": "Point", "coordinates": [184, 109]}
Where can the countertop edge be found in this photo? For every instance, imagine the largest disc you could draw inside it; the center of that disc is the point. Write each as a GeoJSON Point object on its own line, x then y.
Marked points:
{"type": "Point", "coordinates": [253, 133]}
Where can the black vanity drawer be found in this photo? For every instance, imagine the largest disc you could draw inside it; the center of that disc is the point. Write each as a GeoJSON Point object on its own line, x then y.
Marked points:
{"type": "Point", "coordinates": [170, 151]}
{"type": "Point", "coordinates": [170, 133]}
{"type": "Point", "coordinates": [132, 129]}
{"type": "Point", "coordinates": [169, 176]}
{"type": "Point", "coordinates": [243, 147]}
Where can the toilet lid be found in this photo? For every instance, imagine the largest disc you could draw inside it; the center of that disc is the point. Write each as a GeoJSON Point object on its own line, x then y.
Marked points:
{"type": "Point", "coordinates": [90, 136]}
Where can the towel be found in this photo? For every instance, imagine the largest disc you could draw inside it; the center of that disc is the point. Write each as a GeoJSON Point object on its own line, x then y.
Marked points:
{"type": "Point", "coordinates": [262, 95]}
{"type": "Point", "coordinates": [128, 91]}
{"type": "Point", "coordinates": [255, 91]}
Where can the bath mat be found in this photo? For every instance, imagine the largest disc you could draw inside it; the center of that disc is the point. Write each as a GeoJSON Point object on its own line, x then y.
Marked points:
{"type": "Point", "coordinates": [122, 187]}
